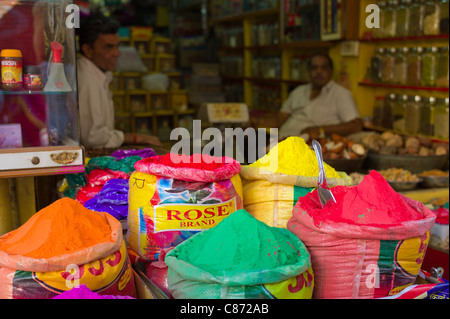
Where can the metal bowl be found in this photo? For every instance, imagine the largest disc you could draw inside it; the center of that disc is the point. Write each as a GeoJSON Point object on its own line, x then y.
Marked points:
{"type": "Point", "coordinates": [346, 165]}
{"type": "Point", "coordinates": [414, 164]}
{"type": "Point", "coordinates": [404, 186]}
{"type": "Point", "coordinates": [434, 181]}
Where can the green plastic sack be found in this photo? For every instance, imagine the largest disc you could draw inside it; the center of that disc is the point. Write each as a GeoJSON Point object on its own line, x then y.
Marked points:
{"type": "Point", "coordinates": [109, 162]}
{"type": "Point", "coordinates": [240, 258]}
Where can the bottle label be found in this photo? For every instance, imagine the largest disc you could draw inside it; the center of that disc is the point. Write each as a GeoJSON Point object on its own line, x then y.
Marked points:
{"type": "Point", "coordinates": [12, 72]}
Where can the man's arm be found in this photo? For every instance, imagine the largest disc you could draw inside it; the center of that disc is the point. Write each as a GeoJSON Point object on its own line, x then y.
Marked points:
{"type": "Point", "coordinates": [343, 129]}
{"type": "Point", "coordinates": [137, 138]}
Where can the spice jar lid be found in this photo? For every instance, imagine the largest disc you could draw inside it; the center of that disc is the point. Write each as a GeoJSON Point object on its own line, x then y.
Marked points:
{"type": "Point", "coordinates": [31, 69]}
{"type": "Point", "coordinates": [11, 53]}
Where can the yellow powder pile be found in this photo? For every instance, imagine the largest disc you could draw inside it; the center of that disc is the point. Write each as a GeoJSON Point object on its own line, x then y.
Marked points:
{"type": "Point", "coordinates": [293, 157]}
{"type": "Point", "coordinates": [61, 228]}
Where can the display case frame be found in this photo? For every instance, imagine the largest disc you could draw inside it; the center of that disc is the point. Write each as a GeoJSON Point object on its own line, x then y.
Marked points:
{"type": "Point", "coordinates": [48, 118]}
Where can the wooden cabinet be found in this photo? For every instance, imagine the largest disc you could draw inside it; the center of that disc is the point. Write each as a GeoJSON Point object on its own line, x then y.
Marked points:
{"type": "Point", "coordinates": [261, 48]}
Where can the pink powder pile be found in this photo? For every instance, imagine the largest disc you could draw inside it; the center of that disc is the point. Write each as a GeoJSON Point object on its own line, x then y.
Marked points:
{"type": "Point", "coordinates": [373, 202]}
{"type": "Point", "coordinates": [83, 292]}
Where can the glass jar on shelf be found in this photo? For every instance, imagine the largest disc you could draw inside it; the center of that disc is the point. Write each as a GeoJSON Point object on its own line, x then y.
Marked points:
{"type": "Point", "coordinates": [431, 18]}
{"type": "Point", "coordinates": [414, 61]}
{"type": "Point", "coordinates": [400, 66]}
{"type": "Point", "coordinates": [379, 32]}
{"type": "Point", "coordinates": [428, 67]}
{"type": "Point", "coordinates": [441, 118]}
{"type": "Point", "coordinates": [400, 112]}
{"type": "Point", "coordinates": [416, 18]}
{"type": "Point", "coordinates": [390, 17]}
{"type": "Point", "coordinates": [387, 74]}
{"type": "Point", "coordinates": [427, 116]}
{"type": "Point", "coordinates": [442, 69]}
{"type": "Point", "coordinates": [388, 111]}
{"type": "Point", "coordinates": [443, 17]}
{"type": "Point", "coordinates": [402, 23]}
{"type": "Point", "coordinates": [412, 117]}
{"type": "Point", "coordinates": [376, 66]}
{"type": "Point", "coordinates": [377, 116]}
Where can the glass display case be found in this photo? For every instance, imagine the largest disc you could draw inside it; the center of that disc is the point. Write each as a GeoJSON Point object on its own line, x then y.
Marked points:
{"type": "Point", "coordinates": [39, 125]}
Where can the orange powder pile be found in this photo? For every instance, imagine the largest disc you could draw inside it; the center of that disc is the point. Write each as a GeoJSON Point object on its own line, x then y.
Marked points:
{"type": "Point", "coordinates": [61, 228]}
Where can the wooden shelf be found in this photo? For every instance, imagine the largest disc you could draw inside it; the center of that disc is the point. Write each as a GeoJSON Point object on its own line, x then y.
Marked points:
{"type": "Point", "coordinates": [247, 15]}
{"type": "Point", "coordinates": [416, 38]}
{"type": "Point", "coordinates": [405, 87]}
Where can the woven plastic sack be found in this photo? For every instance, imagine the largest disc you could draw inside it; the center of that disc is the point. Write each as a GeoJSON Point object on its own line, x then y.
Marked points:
{"type": "Point", "coordinates": [104, 268]}
{"type": "Point", "coordinates": [360, 261]}
{"type": "Point", "coordinates": [270, 197]}
{"type": "Point", "coordinates": [168, 204]}
{"type": "Point", "coordinates": [294, 281]}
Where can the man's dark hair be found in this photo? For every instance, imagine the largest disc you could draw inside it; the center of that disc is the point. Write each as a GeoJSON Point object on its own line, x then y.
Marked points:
{"type": "Point", "coordinates": [94, 25]}
{"type": "Point", "coordinates": [326, 56]}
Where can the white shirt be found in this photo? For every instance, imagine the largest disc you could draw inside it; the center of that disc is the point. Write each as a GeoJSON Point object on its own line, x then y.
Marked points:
{"type": "Point", "coordinates": [334, 105]}
{"type": "Point", "coordinates": [96, 107]}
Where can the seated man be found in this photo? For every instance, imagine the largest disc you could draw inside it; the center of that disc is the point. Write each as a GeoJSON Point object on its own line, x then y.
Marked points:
{"type": "Point", "coordinates": [99, 45]}
{"type": "Point", "coordinates": [319, 107]}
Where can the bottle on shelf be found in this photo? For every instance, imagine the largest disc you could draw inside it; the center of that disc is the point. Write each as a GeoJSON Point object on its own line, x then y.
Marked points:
{"type": "Point", "coordinates": [416, 18]}
{"type": "Point", "coordinates": [441, 118]}
{"type": "Point", "coordinates": [379, 32]}
{"type": "Point", "coordinates": [443, 17]}
{"type": "Point", "coordinates": [427, 116]}
{"type": "Point", "coordinates": [428, 67]}
{"type": "Point", "coordinates": [412, 117]}
{"type": "Point", "coordinates": [400, 112]}
{"type": "Point", "coordinates": [414, 61]}
{"type": "Point", "coordinates": [388, 111]}
{"type": "Point", "coordinates": [442, 67]}
{"type": "Point", "coordinates": [378, 109]}
{"type": "Point", "coordinates": [400, 66]}
{"type": "Point", "coordinates": [402, 23]}
{"type": "Point", "coordinates": [431, 18]}
{"type": "Point", "coordinates": [388, 66]}
{"type": "Point", "coordinates": [390, 17]}
{"type": "Point", "coordinates": [376, 66]}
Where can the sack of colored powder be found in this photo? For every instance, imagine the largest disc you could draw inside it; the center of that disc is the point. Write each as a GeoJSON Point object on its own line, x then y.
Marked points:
{"type": "Point", "coordinates": [111, 199]}
{"type": "Point", "coordinates": [369, 244]}
{"type": "Point", "coordinates": [240, 258]}
{"type": "Point", "coordinates": [273, 184]}
{"type": "Point", "coordinates": [173, 197]}
{"type": "Point", "coordinates": [62, 246]}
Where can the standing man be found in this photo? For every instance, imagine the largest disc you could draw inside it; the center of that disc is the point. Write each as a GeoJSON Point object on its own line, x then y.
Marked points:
{"type": "Point", "coordinates": [99, 45]}
{"type": "Point", "coordinates": [319, 107]}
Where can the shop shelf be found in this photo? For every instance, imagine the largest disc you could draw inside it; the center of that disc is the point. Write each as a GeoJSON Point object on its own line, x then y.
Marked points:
{"type": "Point", "coordinates": [247, 15]}
{"type": "Point", "coordinates": [405, 87]}
{"type": "Point", "coordinates": [415, 38]}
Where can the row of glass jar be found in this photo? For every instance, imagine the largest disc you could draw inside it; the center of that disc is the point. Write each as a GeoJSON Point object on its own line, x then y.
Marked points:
{"type": "Point", "coordinates": [232, 66]}
{"type": "Point", "coordinates": [266, 67]}
{"type": "Point", "coordinates": [264, 34]}
{"type": "Point", "coordinates": [402, 18]}
{"type": "Point", "coordinates": [232, 37]}
{"type": "Point", "coordinates": [413, 114]}
{"type": "Point", "coordinates": [416, 66]}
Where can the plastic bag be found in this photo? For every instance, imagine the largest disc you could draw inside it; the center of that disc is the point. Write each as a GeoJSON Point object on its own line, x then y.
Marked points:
{"type": "Point", "coordinates": [143, 153]}
{"type": "Point", "coordinates": [155, 82]}
{"type": "Point", "coordinates": [240, 258]}
{"type": "Point", "coordinates": [130, 60]}
{"type": "Point", "coordinates": [361, 261]}
{"type": "Point", "coordinates": [112, 199]}
{"type": "Point", "coordinates": [170, 203]}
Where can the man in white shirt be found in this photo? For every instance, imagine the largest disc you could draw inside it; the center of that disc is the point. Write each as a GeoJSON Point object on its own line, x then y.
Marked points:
{"type": "Point", "coordinates": [99, 45]}
{"type": "Point", "coordinates": [319, 107]}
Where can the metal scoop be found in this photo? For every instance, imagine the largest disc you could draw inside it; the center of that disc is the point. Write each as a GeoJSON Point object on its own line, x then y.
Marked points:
{"type": "Point", "coordinates": [324, 192]}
